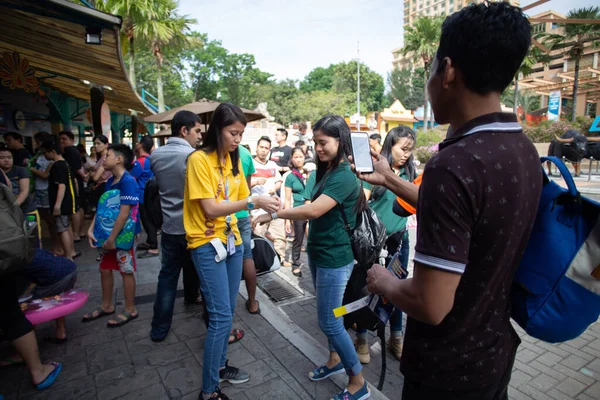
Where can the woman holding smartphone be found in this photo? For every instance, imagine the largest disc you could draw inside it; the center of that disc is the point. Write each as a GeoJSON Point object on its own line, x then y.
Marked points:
{"type": "Point", "coordinates": [215, 189]}
{"type": "Point", "coordinates": [397, 149]}
{"type": "Point", "coordinates": [330, 256]}
{"type": "Point", "coordinates": [295, 186]}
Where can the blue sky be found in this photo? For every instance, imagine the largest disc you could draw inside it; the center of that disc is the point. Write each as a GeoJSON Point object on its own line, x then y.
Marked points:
{"type": "Point", "coordinates": [289, 38]}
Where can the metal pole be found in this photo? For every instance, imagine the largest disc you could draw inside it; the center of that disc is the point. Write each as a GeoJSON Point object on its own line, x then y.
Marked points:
{"type": "Point", "coordinates": [358, 86]}
{"type": "Point", "coordinates": [590, 171]}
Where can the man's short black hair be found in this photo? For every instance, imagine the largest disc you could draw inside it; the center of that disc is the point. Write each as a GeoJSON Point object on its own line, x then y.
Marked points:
{"type": "Point", "coordinates": [281, 130]}
{"type": "Point", "coordinates": [147, 143]}
{"type": "Point", "coordinates": [265, 139]}
{"type": "Point", "coordinates": [181, 119]}
{"type": "Point", "coordinates": [124, 151]}
{"type": "Point", "coordinates": [3, 148]}
{"type": "Point", "coordinates": [52, 145]}
{"type": "Point", "coordinates": [375, 136]}
{"type": "Point", "coordinates": [300, 143]}
{"type": "Point", "coordinates": [41, 137]}
{"type": "Point", "coordinates": [68, 134]}
{"type": "Point", "coordinates": [487, 43]}
{"type": "Point", "coordinates": [13, 135]}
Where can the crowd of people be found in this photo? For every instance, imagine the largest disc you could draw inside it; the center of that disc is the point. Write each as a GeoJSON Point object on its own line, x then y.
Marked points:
{"type": "Point", "coordinates": [458, 342]}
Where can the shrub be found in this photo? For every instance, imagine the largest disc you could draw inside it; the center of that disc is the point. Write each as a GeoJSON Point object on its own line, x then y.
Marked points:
{"type": "Point", "coordinates": [431, 137]}
{"type": "Point", "coordinates": [424, 153]}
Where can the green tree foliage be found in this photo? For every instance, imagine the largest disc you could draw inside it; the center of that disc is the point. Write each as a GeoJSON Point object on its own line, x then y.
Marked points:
{"type": "Point", "coordinates": [318, 79]}
{"type": "Point", "coordinates": [407, 86]}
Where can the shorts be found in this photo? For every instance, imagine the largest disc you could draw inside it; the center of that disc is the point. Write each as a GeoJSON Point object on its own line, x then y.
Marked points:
{"type": "Point", "coordinates": [66, 283]}
{"type": "Point", "coordinates": [61, 223]}
{"type": "Point", "coordinates": [119, 260]}
{"type": "Point", "coordinates": [42, 200]}
{"type": "Point", "coordinates": [245, 228]}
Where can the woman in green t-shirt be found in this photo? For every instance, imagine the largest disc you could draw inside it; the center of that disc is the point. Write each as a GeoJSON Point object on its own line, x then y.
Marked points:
{"type": "Point", "coordinates": [397, 149]}
{"type": "Point", "coordinates": [295, 186]}
{"type": "Point", "coordinates": [330, 258]}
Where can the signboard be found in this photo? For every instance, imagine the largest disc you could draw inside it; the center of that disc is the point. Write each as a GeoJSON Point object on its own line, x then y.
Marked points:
{"type": "Point", "coordinates": [358, 118]}
{"type": "Point", "coordinates": [554, 106]}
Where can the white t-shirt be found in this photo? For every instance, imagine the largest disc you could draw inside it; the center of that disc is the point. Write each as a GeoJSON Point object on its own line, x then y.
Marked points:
{"type": "Point", "coordinates": [41, 163]}
{"type": "Point", "coordinates": [269, 171]}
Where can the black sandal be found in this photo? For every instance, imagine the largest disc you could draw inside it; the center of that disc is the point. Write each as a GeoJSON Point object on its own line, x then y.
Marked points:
{"type": "Point", "coordinates": [297, 272]}
{"type": "Point", "coordinates": [257, 308]}
{"type": "Point", "coordinates": [101, 313]}
{"type": "Point", "coordinates": [120, 321]}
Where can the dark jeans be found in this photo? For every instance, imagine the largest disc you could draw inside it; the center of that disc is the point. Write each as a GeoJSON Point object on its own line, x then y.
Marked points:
{"type": "Point", "coordinates": [175, 257]}
{"type": "Point", "coordinates": [497, 391]}
{"type": "Point", "coordinates": [151, 231]}
{"type": "Point", "coordinates": [299, 230]}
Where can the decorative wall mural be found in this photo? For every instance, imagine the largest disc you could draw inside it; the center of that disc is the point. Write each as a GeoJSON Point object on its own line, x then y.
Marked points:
{"type": "Point", "coordinates": [16, 73]}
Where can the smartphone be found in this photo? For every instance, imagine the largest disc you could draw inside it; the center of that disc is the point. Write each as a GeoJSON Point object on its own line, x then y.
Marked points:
{"type": "Point", "coordinates": [361, 152]}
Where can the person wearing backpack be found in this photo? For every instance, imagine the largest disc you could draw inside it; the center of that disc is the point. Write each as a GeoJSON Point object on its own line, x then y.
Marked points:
{"type": "Point", "coordinates": [335, 192]}
{"type": "Point", "coordinates": [476, 208]}
{"type": "Point", "coordinates": [141, 171]}
{"type": "Point", "coordinates": [397, 149]}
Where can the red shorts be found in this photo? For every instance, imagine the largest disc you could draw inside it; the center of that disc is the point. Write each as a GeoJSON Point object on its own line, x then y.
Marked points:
{"type": "Point", "coordinates": [119, 260]}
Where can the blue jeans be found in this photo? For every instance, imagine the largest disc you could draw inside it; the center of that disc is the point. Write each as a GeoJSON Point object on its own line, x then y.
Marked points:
{"type": "Point", "coordinates": [174, 257]}
{"type": "Point", "coordinates": [330, 284]}
{"type": "Point", "coordinates": [245, 227]}
{"type": "Point", "coordinates": [219, 282]}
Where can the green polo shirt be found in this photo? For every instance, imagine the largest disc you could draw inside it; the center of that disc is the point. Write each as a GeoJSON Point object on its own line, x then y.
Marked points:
{"type": "Point", "coordinates": [383, 207]}
{"type": "Point", "coordinates": [248, 170]}
{"type": "Point", "coordinates": [298, 189]}
{"type": "Point", "coordinates": [328, 242]}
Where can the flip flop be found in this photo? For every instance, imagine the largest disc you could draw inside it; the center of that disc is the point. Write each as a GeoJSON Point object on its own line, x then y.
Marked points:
{"type": "Point", "coordinates": [46, 383]}
{"type": "Point", "coordinates": [238, 334]}
{"type": "Point", "coordinates": [147, 254]}
{"type": "Point", "coordinates": [55, 340]}
{"type": "Point", "coordinates": [101, 313]}
{"type": "Point", "coordinates": [143, 246]}
{"type": "Point", "coordinates": [257, 308]}
{"type": "Point", "coordinates": [120, 321]}
{"type": "Point", "coordinates": [77, 254]}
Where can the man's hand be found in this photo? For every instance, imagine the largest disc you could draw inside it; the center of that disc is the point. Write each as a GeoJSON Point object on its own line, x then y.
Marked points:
{"type": "Point", "coordinates": [261, 219]}
{"type": "Point", "coordinates": [56, 211]}
{"type": "Point", "coordinates": [109, 244]}
{"type": "Point", "coordinates": [378, 280]}
{"type": "Point", "coordinates": [381, 168]}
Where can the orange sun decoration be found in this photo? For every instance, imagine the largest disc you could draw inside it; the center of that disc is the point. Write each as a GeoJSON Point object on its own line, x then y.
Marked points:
{"type": "Point", "coordinates": [16, 73]}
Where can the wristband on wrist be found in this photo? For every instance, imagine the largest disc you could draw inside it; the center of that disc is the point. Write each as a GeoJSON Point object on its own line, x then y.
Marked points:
{"type": "Point", "coordinates": [274, 216]}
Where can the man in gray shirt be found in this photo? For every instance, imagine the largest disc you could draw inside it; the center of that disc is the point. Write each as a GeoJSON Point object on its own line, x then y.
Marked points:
{"type": "Point", "coordinates": [168, 164]}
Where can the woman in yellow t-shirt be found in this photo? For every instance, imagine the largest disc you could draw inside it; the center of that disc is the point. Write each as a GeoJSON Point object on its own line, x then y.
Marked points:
{"type": "Point", "coordinates": [215, 189]}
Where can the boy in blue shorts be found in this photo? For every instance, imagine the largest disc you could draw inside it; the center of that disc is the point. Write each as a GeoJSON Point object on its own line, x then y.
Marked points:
{"type": "Point", "coordinates": [119, 156]}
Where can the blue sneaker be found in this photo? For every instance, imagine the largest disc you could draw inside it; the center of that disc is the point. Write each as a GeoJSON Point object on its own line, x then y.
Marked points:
{"type": "Point", "coordinates": [318, 374]}
{"type": "Point", "coordinates": [362, 394]}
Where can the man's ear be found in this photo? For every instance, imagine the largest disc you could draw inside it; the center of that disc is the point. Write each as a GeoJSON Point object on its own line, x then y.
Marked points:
{"type": "Point", "coordinates": [449, 72]}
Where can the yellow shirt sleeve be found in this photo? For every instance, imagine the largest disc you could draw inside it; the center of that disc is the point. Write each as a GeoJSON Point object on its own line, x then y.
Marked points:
{"type": "Point", "coordinates": [199, 177]}
{"type": "Point", "coordinates": [244, 191]}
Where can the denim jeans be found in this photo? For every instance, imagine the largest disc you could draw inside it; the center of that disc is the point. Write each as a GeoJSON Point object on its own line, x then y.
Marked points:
{"type": "Point", "coordinates": [174, 257]}
{"type": "Point", "coordinates": [219, 282]}
{"type": "Point", "coordinates": [330, 284]}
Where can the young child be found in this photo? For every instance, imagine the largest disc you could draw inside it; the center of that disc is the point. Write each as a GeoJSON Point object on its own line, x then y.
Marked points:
{"type": "Point", "coordinates": [118, 157]}
{"type": "Point", "coordinates": [61, 193]}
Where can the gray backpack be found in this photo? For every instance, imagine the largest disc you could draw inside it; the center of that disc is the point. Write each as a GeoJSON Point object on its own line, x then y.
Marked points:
{"type": "Point", "coordinates": [16, 249]}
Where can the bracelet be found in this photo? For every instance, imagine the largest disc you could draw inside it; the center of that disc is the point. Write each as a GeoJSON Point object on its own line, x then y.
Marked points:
{"type": "Point", "coordinates": [274, 216]}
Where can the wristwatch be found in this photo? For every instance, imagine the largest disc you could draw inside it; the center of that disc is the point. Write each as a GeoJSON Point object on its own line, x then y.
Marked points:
{"type": "Point", "coordinates": [250, 204]}
{"type": "Point", "coordinates": [274, 216]}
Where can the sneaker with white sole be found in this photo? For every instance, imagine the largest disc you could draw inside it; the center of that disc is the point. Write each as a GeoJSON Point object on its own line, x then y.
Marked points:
{"type": "Point", "coordinates": [233, 375]}
{"type": "Point", "coordinates": [362, 394]}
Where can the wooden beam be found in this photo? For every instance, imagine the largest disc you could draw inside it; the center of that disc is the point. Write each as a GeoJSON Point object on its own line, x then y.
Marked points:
{"type": "Point", "coordinates": [540, 46]}
{"type": "Point", "coordinates": [566, 21]}
{"type": "Point", "coordinates": [534, 4]}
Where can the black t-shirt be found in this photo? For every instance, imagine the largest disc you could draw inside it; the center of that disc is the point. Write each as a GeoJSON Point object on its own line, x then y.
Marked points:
{"type": "Point", "coordinates": [15, 175]}
{"type": "Point", "coordinates": [60, 173]}
{"type": "Point", "coordinates": [73, 158]}
{"type": "Point", "coordinates": [477, 205]}
{"type": "Point", "coordinates": [19, 156]}
{"type": "Point", "coordinates": [281, 155]}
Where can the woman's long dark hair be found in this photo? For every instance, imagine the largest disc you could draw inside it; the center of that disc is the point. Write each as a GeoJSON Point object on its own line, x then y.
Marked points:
{"type": "Point", "coordinates": [226, 114]}
{"type": "Point", "coordinates": [336, 127]}
{"type": "Point", "coordinates": [391, 139]}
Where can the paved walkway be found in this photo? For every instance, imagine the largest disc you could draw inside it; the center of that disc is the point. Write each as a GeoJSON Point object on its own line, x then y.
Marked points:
{"type": "Point", "coordinates": [280, 347]}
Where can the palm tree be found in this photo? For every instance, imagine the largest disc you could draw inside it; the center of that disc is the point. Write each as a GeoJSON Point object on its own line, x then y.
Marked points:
{"type": "Point", "coordinates": [165, 28]}
{"type": "Point", "coordinates": [534, 55]}
{"type": "Point", "coordinates": [572, 41]}
{"type": "Point", "coordinates": [134, 13]}
{"type": "Point", "coordinates": [422, 40]}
